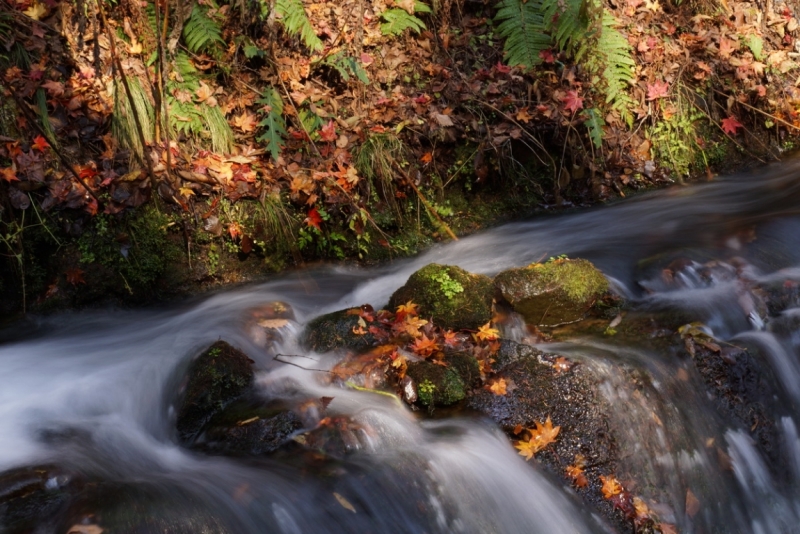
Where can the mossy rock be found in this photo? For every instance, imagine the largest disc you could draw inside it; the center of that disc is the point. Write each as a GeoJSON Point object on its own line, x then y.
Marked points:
{"type": "Point", "coordinates": [219, 376]}
{"type": "Point", "coordinates": [437, 385]}
{"type": "Point", "coordinates": [249, 427]}
{"type": "Point", "coordinates": [337, 330]}
{"type": "Point", "coordinates": [450, 296]}
{"type": "Point", "coordinates": [552, 293]}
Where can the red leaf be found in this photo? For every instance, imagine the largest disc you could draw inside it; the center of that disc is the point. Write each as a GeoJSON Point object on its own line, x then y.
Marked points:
{"type": "Point", "coordinates": [366, 59]}
{"type": "Point", "coordinates": [328, 132]}
{"type": "Point", "coordinates": [54, 88]}
{"type": "Point", "coordinates": [75, 276]}
{"type": "Point", "coordinates": [657, 90]}
{"type": "Point", "coordinates": [731, 125]}
{"type": "Point", "coordinates": [547, 56]}
{"type": "Point", "coordinates": [40, 143]}
{"type": "Point", "coordinates": [502, 69]}
{"type": "Point", "coordinates": [314, 219]}
{"type": "Point", "coordinates": [572, 102]}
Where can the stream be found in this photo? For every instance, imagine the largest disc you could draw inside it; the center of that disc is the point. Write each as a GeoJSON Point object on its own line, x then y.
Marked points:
{"type": "Point", "coordinates": [92, 392]}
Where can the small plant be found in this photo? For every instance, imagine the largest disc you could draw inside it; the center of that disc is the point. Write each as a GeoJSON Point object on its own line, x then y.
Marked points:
{"type": "Point", "coordinates": [425, 392]}
{"type": "Point", "coordinates": [216, 351]}
{"type": "Point", "coordinates": [397, 20]}
{"type": "Point", "coordinates": [449, 287]}
{"type": "Point", "coordinates": [294, 19]}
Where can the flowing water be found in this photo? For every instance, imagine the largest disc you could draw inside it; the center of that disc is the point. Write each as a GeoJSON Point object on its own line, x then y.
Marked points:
{"type": "Point", "coordinates": [92, 391]}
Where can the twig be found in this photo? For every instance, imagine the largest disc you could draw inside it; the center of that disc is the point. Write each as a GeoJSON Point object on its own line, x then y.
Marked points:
{"type": "Point", "coordinates": [726, 135]}
{"type": "Point", "coordinates": [277, 358]}
{"type": "Point", "coordinates": [790, 125]}
{"type": "Point", "coordinates": [428, 207]}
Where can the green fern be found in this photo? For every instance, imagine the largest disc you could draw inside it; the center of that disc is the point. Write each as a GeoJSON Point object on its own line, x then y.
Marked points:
{"type": "Point", "coordinates": [522, 25]}
{"type": "Point", "coordinates": [397, 20]}
{"type": "Point", "coordinates": [200, 31]}
{"type": "Point", "coordinates": [295, 21]}
{"type": "Point", "coordinates": [594, 123]}
{"type": "Point", "coordinates": [346, 66]}
{"type": "Point", "coordinates": [272, 124]}
{"type": "Point", "coordinates": [123, 124]}
{"type": "Point", "coordinates": [193, 120]}
{"type": "Point", "coordinates": [609, 55]}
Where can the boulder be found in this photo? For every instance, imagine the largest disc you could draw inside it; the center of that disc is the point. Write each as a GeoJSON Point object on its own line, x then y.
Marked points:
{"type": "Point", "coordinates": [219, 376]}
{"type": "Point", "coordinates": [450, 296]}
{"type": "Point", "coordinates": [552, 293]}
{"type": "Point", "coordinates": [249, 427]}
{"type": "Point", "coordinates": [338, 330]}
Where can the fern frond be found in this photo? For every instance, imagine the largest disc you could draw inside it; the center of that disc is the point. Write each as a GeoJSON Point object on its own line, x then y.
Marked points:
{"type": "Point", "coordinates": [594, 123]}
{"type": "Point", "coordinates": [201, 31]}
{"type": "Point", "coordinates": [617, 66]}
{"type": "Point", "coordinates": [522, 24]}
{"type": "Point", "coordinates": [568, 21]}
{"type": "Point", "coordinates": [397, 20]}
{"type": "Point", "coordinates": [272, 124]}
{"type": "Point", "coordinates": [294, 19]}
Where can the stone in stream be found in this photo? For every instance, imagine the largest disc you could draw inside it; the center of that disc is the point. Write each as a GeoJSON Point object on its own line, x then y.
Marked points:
{"type": "Point", "coordinates": [450, 296]}
{"type": "Point", "coordinates": [556, 292]}
{"type": "Point", "coordinates": [219, 376]}
{"type": "Point", "coordinates": [33, 496]}
{"type": "Point", "coordinates": [337, 330]}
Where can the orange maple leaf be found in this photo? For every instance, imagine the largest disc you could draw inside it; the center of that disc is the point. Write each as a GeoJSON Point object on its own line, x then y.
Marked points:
{"type": "Point", "coordinates": [409, 308]}
{"type": "Point", "coordinates": [540, 437]}
{"type": "Point", "coordinates": [487, 333]}
{"type": "Point", "coordinates": [424, 346]}
{"type": "Point", "coordinates": [427, 157]}
{"type": "Point", "coordinates": [246, 122]}
{"type": "Point", "coordinates": [9, 174]}
{"type": "Point", "coordinates": [411, 326]}
{"type": "Point", "coordinates": [575, 471]}
{"type": "Point", "coordinates": [450, 338]}
{"type": "Point", "coordinates": [328, 132]}
{"type": "Point", "coordinates": [611, 486]}
{"type": "Point", "coordinates": [572, 102]}
{"type": "Point", "coordinates": [498, 387]}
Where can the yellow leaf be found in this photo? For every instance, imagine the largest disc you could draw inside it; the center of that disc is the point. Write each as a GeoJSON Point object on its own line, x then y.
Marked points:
{"type": "Point", "coordinates": [611, 486]}
{"type": "Point", "coordinates": [135, 48]}
{"type": "Point", "coordinates": [498, 387]}
{"type": "Point", "coordinates": [540, 437]}
{"type": "Point", "coordinates": [36, 11]}
{"type": "Point", "coordinates": [186, 191]}
{"type": "Point", "coordinates": [344, 502]}
{"type": "Point", "coordinates": [486, 333]}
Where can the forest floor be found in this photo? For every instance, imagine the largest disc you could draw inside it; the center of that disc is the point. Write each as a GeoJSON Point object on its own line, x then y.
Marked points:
{"type": "Point", "coordinates": [164, 148]}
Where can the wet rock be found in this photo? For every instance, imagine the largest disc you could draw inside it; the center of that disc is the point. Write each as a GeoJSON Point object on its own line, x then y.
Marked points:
{"type": "Point", "coordinates": [266, 324]}
{"type": "Point", "coordinates": [452, 297]}
{"type": "Point", "coordinates": [743, 390]}
{"type": "Point", "coordinates": [338, 330]}
{"type": "Point", "coordinates": [249, 427]}
{"type": "Point", "coordinates": [32, 496]}
{"type": "Point", "coordinates": [552, 293]}
{"type": "Point", "coordinates": [437, 385]}
{"type": "Point", "coordinates": [144, 508]}
{"type": "Point", "coordinates": [216, 378]}
{"type": "Point", "coordinates": [541, 386]}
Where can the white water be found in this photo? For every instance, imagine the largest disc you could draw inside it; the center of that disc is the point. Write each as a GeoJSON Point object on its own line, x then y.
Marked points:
{"type": "Point", "coordinates": [92, 391]}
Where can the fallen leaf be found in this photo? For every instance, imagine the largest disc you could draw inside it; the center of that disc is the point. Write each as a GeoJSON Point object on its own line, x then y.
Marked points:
{"type": "Point", "coordinates": [611, 486]}
{"type": "Point", "coordinates": [313, 219]}
{"type": "Point", "coordinates": [246, 122]}
{"type": "Point", "coordinates": [328, 132]}
{"type": "Point", "coordinates": [657, 90]}
{"type": "Point", "coordinates": [692, 504]}
{"type": "Point", "coordinates": [344, 502]}
{"type": "Point", "coordinates": [730, 125]}
{"type": "Point", "coordinates": [40, 143]}
{"type": "Point", "coordinates": [498, 387]}
{"type": "Point", "coordinates": [572, 102]}
{"type": "Point", "coordinates": [9, 174]}
{"type": "Point", "coordinates": [84, 529]}
{"type": "Point", "coordinates": [486, 333]}
{"type": "Point", "coordinates": [424, 346]}
{"type": "Point", "coordinates": [37, 11]}
{"type": "Point", "coordinates": [74, 276]}
{"type": "Point", "coordinates": [540, 437]}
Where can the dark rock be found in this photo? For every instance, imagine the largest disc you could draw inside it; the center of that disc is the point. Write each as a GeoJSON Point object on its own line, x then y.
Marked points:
{"type": "Point", "coordinates": [219, 376]}
{"type": "Point", "coordinates": [437, 385]}
{"type": "Point", "coordinates": [552, 293]}
{"type": "Point", "coordinates": [337, 330]}
{"type": "Point", "coordinates": [449, 295]}
{"type": "Point", "coordinates": [32, 496]}
{"type": "Point", "coordinates": [250, 428]}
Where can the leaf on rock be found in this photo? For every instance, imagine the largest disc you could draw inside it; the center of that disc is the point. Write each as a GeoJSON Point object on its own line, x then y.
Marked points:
{"type": "Point", "coordinates": [611, 486]}
{"type": "Point", "coordinates": [540, 437]}
{"type": "Point", "coordinates": [499, 386]}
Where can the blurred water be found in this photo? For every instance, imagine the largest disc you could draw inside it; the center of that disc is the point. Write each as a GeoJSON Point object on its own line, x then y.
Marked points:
{"type": "Point", "coordinates": [93, 390]}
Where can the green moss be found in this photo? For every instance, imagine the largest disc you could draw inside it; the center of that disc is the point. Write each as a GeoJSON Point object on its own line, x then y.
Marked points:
{"type": "Point", "coordinates": [425, 392]}
{"type": "Point", "coordinates": [579, 279]}
{"type": "Point", "coordinates": [451, 296]}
